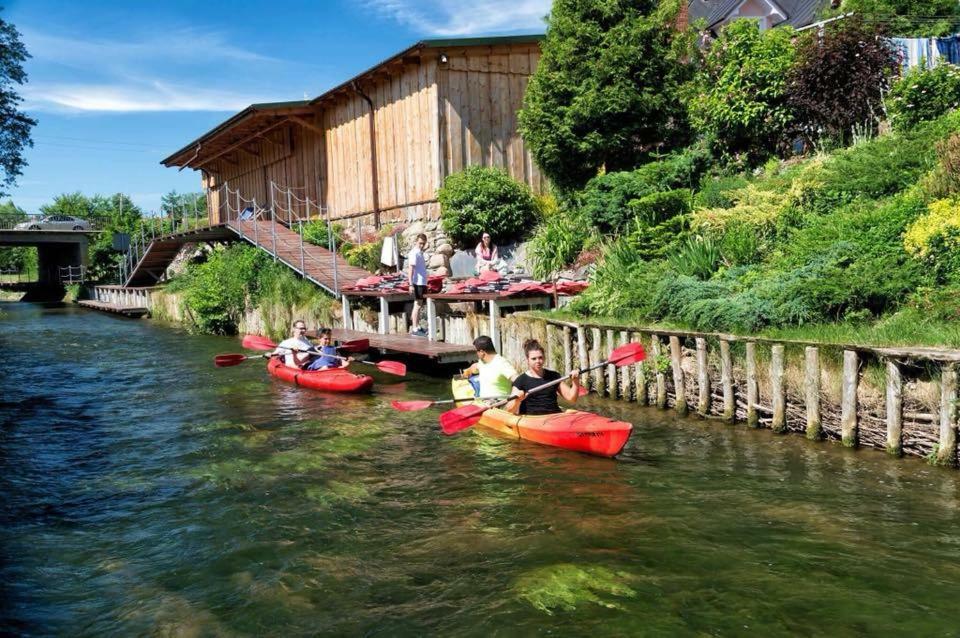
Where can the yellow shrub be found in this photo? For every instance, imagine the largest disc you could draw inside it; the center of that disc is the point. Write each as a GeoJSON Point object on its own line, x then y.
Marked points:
{"type": "Point", "coordinates": [943, 216]}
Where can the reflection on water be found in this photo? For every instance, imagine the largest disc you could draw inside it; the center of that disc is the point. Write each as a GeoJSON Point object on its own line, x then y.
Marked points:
{"type": "Point", "coordinates": [147, 492]}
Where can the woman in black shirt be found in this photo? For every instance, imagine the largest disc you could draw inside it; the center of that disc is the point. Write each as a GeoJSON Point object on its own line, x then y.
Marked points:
{"type": "Point", "coordinates": [544, 402]}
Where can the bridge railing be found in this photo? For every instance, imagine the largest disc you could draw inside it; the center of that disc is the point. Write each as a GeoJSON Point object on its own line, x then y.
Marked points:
{"type": "Point", "coordinates": [158, 226]}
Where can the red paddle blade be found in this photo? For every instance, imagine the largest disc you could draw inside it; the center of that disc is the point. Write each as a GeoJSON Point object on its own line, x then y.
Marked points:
{"type": "Point", "coordinates": [392, 367]}
{"type": "Point", "coordinates": [410, 406]}
{"type": "Point", "coordinates": [357, 345]}
{"type": "Point", "coordinates": [627, 354]}
{"type": "Point", "coordinates": [227, 360]}
{"type": "Point", "coordinates": [256, 342]}
{"type": "Point", "coordinates": [452, 421]}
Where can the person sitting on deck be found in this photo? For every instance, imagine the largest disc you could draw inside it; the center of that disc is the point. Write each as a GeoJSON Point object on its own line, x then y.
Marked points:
{"type": "Point", "coordinates": [294, 350]}
{"type": "Point", "coordinates": [496, 373]}
{"type": "Point", "coordinates": [544, 402]}
{"type": "Point", "coordinates": [486, 252]}
{"type": "Point", "coordinates": [327, 353]}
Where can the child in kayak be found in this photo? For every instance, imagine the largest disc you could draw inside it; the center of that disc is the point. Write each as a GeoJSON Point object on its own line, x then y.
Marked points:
{"type": "Point", "coordinates": [496, 373]}
{"type": "Point", "coordinates": [326, 358]}
{"type": "Point", "coordinates": [544, 402]}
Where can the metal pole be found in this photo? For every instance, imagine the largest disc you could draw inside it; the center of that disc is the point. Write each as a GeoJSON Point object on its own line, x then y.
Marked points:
{"type": "Point", "coordinates": [333, 254]}
{"type": "Point", "coordinates": [302, 270]}
{"type": "Point", "coordinates": [273, 227]}
{"type": "Point", "coordinates": [289, 209]}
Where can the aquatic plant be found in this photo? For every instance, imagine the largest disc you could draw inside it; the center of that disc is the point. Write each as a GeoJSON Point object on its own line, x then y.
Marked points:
{"type": "Point", "coordinates": [565, 586]}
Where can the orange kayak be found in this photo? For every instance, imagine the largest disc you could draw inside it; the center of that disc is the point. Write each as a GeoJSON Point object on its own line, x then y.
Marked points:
{"type": "Point", "coordinates": [332, 380]}
{"type": "Point", "coordinates": [571, 430]}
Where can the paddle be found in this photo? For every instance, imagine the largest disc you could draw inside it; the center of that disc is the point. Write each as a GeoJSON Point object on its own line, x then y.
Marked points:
{"type": "Point", "coordinates": [458, 419]}
{"type": "Point", "coordinates": [256, 342]}
{"type": "Point", "coordinates": [413, 406]}
{"type": "Point", "coordinates": [227, 360]}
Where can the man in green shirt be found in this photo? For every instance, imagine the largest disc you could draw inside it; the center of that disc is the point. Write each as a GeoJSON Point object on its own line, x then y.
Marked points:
{"type": "Point", "coordinates": [496, 373]}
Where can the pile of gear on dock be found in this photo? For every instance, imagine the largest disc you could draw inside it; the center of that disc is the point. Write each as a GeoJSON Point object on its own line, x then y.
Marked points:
{"type": "Point", "coordinates": [486, 283]}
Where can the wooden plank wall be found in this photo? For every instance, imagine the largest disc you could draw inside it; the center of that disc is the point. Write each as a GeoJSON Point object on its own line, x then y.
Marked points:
{"type": "Point", "coordinates": [481, 91]}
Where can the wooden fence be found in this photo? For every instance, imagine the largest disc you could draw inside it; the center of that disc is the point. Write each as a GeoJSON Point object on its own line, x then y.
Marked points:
{"type": "Point", "coordinates": [903, 400]}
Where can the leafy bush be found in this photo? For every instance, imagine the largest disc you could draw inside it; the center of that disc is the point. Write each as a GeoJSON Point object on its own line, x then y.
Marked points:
{"type": "Point", "coordinates": [839, 80]}
{"type": "Point", "coordinates": [657, 208]}
{"type": "Point", "coordinates": [716, 191]}
{"type": "Point", "coordinates": [934, 238]}
{"type": "Point", "coordinates": [739, 99]}
{"type": "Point", "coordinates": [318, 234]}
{"type": "Point", "coordinates": [556, 243]}
{"type": "Point", "coordinates": [481, 199]}
{"type": "Point", "coordinates": [216, 291]}
{"type": "Point", "coordinates": [697, 257]}
{"type": "Point", "coordinates": [906, 18]}
{"type": "Point", "coordinates": [923, 94]}
{"type": "Point", "coordinates": [661, 240]}
{"type": "Point", "coordinates": [740, 245]}
{"type": "Point", "coordinates": [366, 255]}
{"type": "Point", "coordinates": [622, 282]}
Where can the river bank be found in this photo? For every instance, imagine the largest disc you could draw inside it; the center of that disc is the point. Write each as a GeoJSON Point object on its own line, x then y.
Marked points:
{"type": "Point", "coordinates": [155, 493]}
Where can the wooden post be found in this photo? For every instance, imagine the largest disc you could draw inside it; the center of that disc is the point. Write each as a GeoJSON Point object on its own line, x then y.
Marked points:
{"type": "Point", "coordinates": [703, 379]}
{"type": "Point", "coordinates": [383, 325]}
{"type": "Point", "coordinates": [583, 362]}
{"type": "Point", "coordinates": [894, 409]}
{"type": "Point", "coordinates": [567, 351]}
{"type": "Point", "coordinates": [753, 391]}
{"type": "Point", "coordinates": [548, 344]}
{"type": "Point", "coordinates": [657, 349]}
{"type": "Point", "coordinates": [777, 390]}
{"type": "Point", "coordinates": [494, 320]}
{"type": "Point", "coordinates": [726, 380]}
{"type": "Point", "coordinates": [640, 379]}
{"type": "Point", "coordinates": [625, 371]}
{"type": "Point", "coordinates": [811, 392]}
{"type": "Point", "coordinates": [345, 309]}
{"type": "Point", "coordinates": [611, 368]}
{"type": "Point", "coordinates": [679, 387]}
{"type": "Point", "coordinates": [431, 319]}
{"type": "Point", "coordinates": [596, 355]}
{"type": "Point", "coordinates": [947, 451]}
{"type": "Point", "coordinates": [848, 399]}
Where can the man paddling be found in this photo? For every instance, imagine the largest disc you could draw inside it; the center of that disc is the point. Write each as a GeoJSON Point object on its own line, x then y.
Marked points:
{"type": "Point", "coordinates": [496, 373]}
{"type": "Point", "coordinates": [537, 375]}
{"type": "Point", "coordinates": [294, 349]}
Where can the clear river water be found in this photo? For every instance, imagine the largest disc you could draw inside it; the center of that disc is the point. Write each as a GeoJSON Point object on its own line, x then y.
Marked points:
{"type": "Point", "coordinates": [145, 492]}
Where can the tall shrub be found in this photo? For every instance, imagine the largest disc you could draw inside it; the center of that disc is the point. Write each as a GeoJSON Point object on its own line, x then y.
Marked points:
{"type": "Point", "coordinates": [840, 79]}
{"type": "Point", "coordinates": [909, 18]}
{"type": "Point", "coordinates": [605, 92]}
{"type": "Point", "coordinates": [738, 100]}
{"type": "Point", "coordinates": [481, 199]}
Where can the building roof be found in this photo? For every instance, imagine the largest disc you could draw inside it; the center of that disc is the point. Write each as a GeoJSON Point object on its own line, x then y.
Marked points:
{"type": "Point", "coordinates": [261, 116]}
{"type": "Point", "coordinates": [799, 13]}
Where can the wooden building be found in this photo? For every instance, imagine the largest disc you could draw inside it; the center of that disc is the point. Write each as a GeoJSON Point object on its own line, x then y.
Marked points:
{"type": "Point", "coordinates": [379, 145]}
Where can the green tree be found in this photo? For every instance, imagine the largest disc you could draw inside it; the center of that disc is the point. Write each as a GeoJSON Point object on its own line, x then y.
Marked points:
{"type": "Point", "coordinates": [907, 18]}
{"type": "Point", "coordinates": [15, 126]}
{"type": "Point", "coordinates": [74, 204]}
{"type": "Point", "coordinates": [606, 89]}
{"type": "Point", "coordinates": [18, 258]}
{"type": "Point", "coordinates": [180, 205]}
{"type": "Point", "coordinates": [739, 99]}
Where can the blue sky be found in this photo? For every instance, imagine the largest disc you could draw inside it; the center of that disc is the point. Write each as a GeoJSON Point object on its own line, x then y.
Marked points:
{"type": "Point", "coordinates": [117, 86]}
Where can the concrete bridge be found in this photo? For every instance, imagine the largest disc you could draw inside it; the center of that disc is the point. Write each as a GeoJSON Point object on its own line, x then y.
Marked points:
{"type": "Point", "coordinates": [56, 251]}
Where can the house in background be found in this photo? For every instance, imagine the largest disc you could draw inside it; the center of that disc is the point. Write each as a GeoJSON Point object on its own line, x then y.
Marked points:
{"type": "Point", "coordinates": [767, 13]}
{"type": "Point", "coordinates": [379, 145]}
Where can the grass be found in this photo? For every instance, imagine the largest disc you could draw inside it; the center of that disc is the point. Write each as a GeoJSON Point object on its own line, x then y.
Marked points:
{"type": "Point", "coordinates": [908, 327]}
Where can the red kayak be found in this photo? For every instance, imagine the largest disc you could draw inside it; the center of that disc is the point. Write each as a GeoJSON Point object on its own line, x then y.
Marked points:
{"type": "Point", "coordinates": [332, 380]}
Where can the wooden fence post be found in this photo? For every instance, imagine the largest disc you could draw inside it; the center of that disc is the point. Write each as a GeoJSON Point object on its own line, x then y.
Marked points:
{"type": "Point", "coordinates": [753, 392]}
{"type": "Point", "coordinates": [848, 399]}
{"type": "Point", "coordinates": [777, 390]}
{"type": "Point", "coordinates": [611, 368]}
{"type": "Point", "coordinates": [703, 379]}
{"type": "Point", "coordinates": [584, 361]}
{"type": "Point", "coordinates": [726, 380]}
{"type": "Point", "coordinates": [947, 450]}
{"type": "Point", "coordinates": [640, 374]}
{"type": "Point", "coordinates": [811, 391]}
{"type": "Point", "coordinates": [596, 355]}
{"type": "Point", "coordinates": [625, 371]}
{"type": "Point", "coordinates": [679, 387]}
{"type": "Point", "coordinates": [567, 351]}
{"type": "Point", "coordinates": [657, 349]}
{"type": "Point", "coordinates": [894, 409]}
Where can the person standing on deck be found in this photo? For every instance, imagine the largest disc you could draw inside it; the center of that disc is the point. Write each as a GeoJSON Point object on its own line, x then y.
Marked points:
{"type": "Point", "coordinates": [417, 274]}
{"type": "Point", "coordinates": [544, 402]}
{"type": "Point", "coordinates": [293, 350]}
{"type": "Point", "coordinates": [328, 353]}
{"type": "Point", "coordinates": [496, 373]}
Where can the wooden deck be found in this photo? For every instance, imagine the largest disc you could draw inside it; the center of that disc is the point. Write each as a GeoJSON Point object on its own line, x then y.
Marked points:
{"type": "Point", "coordinates": [408, 344]}
{"type": "Point", "coordinates": [116, 309]}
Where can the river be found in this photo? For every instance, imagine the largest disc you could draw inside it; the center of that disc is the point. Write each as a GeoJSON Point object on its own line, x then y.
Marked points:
{"type": "Point", "coordinates": [145, 492]}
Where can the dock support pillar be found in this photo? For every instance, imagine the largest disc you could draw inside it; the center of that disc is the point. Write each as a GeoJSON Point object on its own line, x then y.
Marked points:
{"type": "Point", "coordinates": [494, 329]}
{"type": "Point", "coordinates": [345, 308]}
{"type": "Point", "coordinates": [848, 399]}
{"type": "Point", "coordinates": [431, 319]}
{"type": "Point", "coordinates": [384, 317]}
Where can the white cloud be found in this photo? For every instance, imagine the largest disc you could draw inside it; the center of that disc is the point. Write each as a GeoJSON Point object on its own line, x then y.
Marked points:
{"type": "Point", "coordinates": [131, 97]}
{"type": "Point", "coordinates": [434, 17]}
